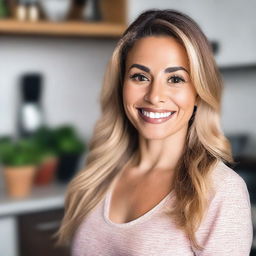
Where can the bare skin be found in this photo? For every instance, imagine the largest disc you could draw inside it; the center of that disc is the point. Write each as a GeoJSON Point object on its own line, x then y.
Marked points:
{"type": "Point", "coordinates": [134, 195]}
{"type": "Point", "coordinates": [146, 180]}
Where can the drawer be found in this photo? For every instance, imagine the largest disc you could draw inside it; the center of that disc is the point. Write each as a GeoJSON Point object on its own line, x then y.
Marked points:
{"type": "Point", "coordinates": [35, 231]}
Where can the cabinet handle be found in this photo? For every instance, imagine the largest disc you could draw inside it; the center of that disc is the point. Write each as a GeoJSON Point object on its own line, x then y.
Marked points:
{"type": "Point", "coordinates": [47, 226]}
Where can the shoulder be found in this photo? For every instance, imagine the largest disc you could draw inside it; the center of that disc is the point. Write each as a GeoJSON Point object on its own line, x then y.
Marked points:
{"type": "Point", "coordinates": [224, 176]}
{"type": "Point", "coordinates": [226, 228]}
{"type": "Point", "coordinates": [228, 184]}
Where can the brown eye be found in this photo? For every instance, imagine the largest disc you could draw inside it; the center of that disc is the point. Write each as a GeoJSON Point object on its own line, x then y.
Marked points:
{"type": "Point", "coordinates": [176, 79]}
{"type": "Point", "coordinates": [138, 77]}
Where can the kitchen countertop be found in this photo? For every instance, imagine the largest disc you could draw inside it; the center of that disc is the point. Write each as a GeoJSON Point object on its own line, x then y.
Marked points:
{"type": "Point", "coordinates": [42, 198]}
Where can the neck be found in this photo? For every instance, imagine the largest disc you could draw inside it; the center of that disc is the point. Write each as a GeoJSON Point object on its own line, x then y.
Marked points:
{"type": "Point", "coordinates": [160, 155]}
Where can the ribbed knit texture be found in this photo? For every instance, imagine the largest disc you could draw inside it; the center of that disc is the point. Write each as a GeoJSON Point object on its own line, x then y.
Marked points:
{"type": "Point", "coordinates": [226, 229]}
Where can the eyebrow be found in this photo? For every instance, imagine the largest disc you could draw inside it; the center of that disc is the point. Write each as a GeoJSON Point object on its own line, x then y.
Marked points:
{"type": "Point", "coordinates": [167, 70]}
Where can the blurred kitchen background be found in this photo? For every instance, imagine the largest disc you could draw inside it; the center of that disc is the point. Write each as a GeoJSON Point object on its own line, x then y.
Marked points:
{"type": "Point", "coordinates": [53, 55]}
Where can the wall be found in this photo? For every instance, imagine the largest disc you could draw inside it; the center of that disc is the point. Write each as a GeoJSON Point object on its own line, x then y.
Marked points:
{"type": "Point", "coordinates": [73, 71]}
{"type": "Point", "coordinates": [238, 106]}
{"type": "Point", "coordinates": [234, 27]}
{"type": "Point", "coordinates": [231, 23]}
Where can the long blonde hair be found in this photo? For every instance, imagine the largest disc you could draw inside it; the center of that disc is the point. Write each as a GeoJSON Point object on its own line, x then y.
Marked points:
{"type": "Point", "coordinates": [115, 140]}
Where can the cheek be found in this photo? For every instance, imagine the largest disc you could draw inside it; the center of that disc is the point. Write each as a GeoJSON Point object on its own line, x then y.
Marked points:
{"type": "Point", "coordinates": [128, 99]}
{"type": "Point", "coordinates": [185, 100]}
{"type": "Point", "coordinates": [126, 94]}
{"type": "Point", "coordinates": [130, 94]}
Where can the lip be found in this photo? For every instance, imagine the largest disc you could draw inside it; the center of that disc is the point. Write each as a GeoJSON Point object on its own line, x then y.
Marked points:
{"type": "Point", "coordinates": [155, 120]}
{"type": "Point", "coordinates": [156, 110]}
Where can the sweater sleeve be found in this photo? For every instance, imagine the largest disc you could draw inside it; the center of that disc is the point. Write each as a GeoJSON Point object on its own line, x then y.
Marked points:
{"type": "Point", "coordinates": [227, 228]}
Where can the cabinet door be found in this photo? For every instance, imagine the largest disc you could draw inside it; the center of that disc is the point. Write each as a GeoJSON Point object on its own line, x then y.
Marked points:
{"type": "Point", "coordinates": [36, 231]}
{"type": "Point", "coordinates": [230, 23]}
{"type": "Point", "coordinates": [8, 238]}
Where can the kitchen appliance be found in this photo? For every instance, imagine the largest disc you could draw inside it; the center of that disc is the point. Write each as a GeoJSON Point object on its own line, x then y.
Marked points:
{"type": "Point", "coordinates": [30, 116]}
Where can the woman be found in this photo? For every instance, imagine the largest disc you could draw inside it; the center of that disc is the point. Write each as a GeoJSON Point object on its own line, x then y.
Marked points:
{"type": "Point", "coordinates": [155, 181]}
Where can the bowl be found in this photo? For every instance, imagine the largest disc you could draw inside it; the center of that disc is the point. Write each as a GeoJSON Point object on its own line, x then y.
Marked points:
{"type": "Point", "coordinates": [55, 10]}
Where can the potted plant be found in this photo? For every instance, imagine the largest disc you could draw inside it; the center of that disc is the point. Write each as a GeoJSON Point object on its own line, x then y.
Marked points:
{"type": "Point", "coordinates": [70, 149]}
{"type": "Point", "coordinates": [48, 157]}
{"type": "Point", "coordinates": [19, 159]}
{"type": "Point", "coordinates": [47, 168]}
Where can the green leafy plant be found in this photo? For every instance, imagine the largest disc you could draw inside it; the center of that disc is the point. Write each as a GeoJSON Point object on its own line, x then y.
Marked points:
{"type": "Point", "coordinates": [20, 152]}
{"type": "Point", "coordinates": [67, 141]}
{"type": "Point", "coordinates": [44, 137]}
{"type": "Point", "coordinates": [3, 9]}
{"type": "Point", "coordinates": [45, 143]}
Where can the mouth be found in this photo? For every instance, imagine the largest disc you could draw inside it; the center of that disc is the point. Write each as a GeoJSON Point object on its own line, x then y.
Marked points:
{"type": "Point", "coordinates": [155, 117]}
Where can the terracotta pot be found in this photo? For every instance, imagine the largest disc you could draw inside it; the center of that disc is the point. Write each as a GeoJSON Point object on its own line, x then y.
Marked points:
{"type": "Point", "coordinates": [19, 180]}
{"type": "Point", "coordinates": [46, 172]}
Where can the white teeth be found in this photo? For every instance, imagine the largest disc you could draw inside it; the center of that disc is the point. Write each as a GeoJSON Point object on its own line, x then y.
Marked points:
{"type": "Point", "coordinates": [156, 114]}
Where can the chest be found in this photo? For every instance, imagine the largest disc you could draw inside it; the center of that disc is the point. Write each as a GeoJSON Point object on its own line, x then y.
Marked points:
{"type": "Point", "coordinates": [159, 236]}
{"type": "Point", "coordinates": [132, 197]}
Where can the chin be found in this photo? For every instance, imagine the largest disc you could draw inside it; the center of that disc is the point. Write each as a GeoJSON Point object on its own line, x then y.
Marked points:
{"type": "Point", "coordinates": [154, 135]}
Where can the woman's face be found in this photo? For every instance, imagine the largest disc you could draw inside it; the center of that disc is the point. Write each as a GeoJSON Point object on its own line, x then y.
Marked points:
{"type": "Point", "coordinates": [158, 95]}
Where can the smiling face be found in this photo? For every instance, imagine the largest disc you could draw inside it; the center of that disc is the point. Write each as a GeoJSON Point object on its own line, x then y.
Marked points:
{"type": "Point", "coordinates": [157, 80]}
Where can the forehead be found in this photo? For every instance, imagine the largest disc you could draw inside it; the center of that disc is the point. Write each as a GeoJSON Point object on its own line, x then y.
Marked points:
{"type": "Point", "coordinates": [156, 50]}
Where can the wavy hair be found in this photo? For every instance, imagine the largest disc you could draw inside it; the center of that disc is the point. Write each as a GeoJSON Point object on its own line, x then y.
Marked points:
{"type": "Point", "coordinates": [115, 140]}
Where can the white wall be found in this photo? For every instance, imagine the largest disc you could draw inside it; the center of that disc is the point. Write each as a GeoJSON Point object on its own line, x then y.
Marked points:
{"type": "Point", "coordinates": [230, 23]}
{"type": "Point", "coordinates": [233, 25]}
{"type": "Point", "coordinates": [73, 70]}
{"type": "Point", "coordinates": [238, 104]}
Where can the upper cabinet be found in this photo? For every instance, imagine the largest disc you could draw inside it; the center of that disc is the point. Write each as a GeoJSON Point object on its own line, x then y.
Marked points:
{"type": "Point", "coordinates": [112, 24]}
{"type": "Point", "coordinates": [231, 24]}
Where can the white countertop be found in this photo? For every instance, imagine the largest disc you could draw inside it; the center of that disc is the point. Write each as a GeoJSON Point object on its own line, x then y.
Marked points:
{"type": "Point", "coordinates": [41, 198]}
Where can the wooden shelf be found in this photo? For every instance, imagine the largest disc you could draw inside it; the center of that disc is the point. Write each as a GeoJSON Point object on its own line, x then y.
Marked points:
{"type": "Point", "coordinates": [68, 28]}
{"type": "Point", "coordinates": [113, 24]}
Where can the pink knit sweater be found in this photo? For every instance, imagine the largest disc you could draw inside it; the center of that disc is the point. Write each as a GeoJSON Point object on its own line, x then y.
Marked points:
{"type": "Point", "coordinates": [226, 229]}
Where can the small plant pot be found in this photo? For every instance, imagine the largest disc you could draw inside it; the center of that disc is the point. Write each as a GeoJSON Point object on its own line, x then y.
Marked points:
{"type": "Point", "coordinates": [46, 172]}
{"type": "Point", "coordinates": [67, 167]}
{"type": "Point", "coordinates": [19, 180]}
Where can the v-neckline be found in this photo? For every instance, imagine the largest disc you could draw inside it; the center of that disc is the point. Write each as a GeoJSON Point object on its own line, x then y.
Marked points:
{"type": "Point", "coordinates": [140, 219]}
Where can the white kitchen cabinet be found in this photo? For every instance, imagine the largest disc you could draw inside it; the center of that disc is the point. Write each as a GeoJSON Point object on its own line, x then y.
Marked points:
{"type": "Point", "coordinates": [231, 23]}
{"type": "Point", "coordinates": [8, 236]}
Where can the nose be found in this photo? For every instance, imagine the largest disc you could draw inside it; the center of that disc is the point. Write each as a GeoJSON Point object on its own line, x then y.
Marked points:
{"type": "Point", "coordinates": [156, 93]}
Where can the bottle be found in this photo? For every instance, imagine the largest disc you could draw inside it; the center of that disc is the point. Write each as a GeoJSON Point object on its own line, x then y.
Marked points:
{"type": "Point", "coordinates": [21, 13]}
{"type": "Point", "coordinates": [21, 10]}
{"type": "Point", "coordinates": [76, 10]}
{"type": "Point", "coordinates": [30, 116]}
{"type": "Point", "coordinates": [33, 11]}
{"type": "Point", "coordinates": [92, 11]}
